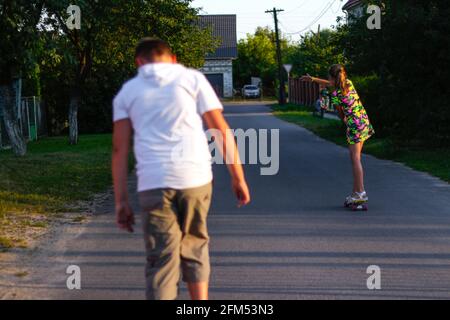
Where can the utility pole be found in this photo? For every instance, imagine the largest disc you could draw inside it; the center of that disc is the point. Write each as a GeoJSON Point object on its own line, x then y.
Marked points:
{"type": "Point", "coordinates": [282, 95]}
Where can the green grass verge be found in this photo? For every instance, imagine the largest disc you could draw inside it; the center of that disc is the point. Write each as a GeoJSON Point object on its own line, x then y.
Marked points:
{"type": "Point", "coordinates": [434, 161]}
{"type": "Point", "coordinates": [5, 243]}
{"type": "Point", "coordinates": [50, 179]}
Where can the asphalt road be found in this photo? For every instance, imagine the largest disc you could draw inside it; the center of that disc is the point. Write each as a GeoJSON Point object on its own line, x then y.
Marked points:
{"type": "Point", "coordinates": [295, 241]}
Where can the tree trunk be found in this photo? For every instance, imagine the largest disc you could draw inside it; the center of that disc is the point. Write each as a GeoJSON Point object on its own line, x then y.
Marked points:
{"type": "Point", "coordinates": [73, 117]}
{"type": "Point", "coordinates": [84, 67]}
{"type": "Point", "coordinates": [8, 104]}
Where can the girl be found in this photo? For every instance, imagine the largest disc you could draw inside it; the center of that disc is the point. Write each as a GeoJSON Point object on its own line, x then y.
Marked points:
{"type": "Point", "coordinates": [351, 111]}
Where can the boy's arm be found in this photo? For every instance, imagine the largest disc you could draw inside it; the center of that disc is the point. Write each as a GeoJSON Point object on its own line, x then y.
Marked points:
{"type": "Point", "coordinates": [225, 141]}
{"type": "Point", "coordinates": [121, 148]}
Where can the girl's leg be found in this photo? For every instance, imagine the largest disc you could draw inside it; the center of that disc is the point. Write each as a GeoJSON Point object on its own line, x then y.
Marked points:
{"type": "Point", "coordinates": [358, 172]}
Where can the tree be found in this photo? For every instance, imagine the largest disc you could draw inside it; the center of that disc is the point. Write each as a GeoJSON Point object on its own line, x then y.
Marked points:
{"type": "Point", "coordinates": [315, 53]}
{"type": "Point", "coordinates": [18, 34]}
{"type": "Point", "coordinates": [257, 58]}
{"type": "Point", "coordinates": [105, 42]}
{"type": "Point", "coordinates": [406, 65]}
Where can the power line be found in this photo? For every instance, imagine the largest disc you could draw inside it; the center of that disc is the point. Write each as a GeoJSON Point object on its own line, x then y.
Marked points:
{"type": "Point", "coordinates": [337, 9]}
{"type": "Point", "coordinates": [321, 14]}
{"type": "Point", "coordinates": [296, 8]}
{"type": "Point", "coordinates": [286, 30]}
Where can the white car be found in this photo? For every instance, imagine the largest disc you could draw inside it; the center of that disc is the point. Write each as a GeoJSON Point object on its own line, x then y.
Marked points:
{"type": "Point", "coordinates": [251, 91]}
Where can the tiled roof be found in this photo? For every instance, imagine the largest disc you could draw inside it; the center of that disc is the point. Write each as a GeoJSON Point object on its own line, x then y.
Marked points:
{"type": "Point", "coordinates": [351, 3]}
{"type": "Point", "coordinates": [224, 29]}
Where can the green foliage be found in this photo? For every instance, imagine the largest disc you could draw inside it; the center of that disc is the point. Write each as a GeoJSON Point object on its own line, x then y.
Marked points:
{"type": "Point", "coordinates": [100, 57]}
{"type": "Point", "coordinates": [400, 71]}
{"type": "Point", "coordinates": [18, 20]}
{"type": "Point", "coordinates": [315, 53]}
{"type": "Point", "coordinates": [257, 58]}
{"type": "Point", "coordinates": [410, 56]}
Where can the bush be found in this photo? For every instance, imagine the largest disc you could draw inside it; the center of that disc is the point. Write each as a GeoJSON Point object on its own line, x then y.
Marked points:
{"type": "Point", "coordinates": [404, 70]}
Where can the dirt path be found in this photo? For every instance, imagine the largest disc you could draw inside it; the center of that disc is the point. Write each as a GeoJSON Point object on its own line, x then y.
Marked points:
{"type": "Point", "coordinates": [21, 269]}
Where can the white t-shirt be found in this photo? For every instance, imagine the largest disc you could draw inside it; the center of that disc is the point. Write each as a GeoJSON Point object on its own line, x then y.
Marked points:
{"type": "Point", "coordinates": [165, 103]}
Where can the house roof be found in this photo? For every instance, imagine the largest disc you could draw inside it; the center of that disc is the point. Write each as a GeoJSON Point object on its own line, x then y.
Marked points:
{"type": "Point", "coordinates": [223, 28]}
{"type": "Point", "coordinates": [351, 4]}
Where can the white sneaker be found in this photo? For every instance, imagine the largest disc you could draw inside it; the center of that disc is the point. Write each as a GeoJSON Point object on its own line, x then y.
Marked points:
{"type": "Point", "coordinates": [357, 197]}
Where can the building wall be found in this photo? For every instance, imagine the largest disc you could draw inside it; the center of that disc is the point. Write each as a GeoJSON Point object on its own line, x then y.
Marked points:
{"type": "Point", "coordinates": [224, 67]}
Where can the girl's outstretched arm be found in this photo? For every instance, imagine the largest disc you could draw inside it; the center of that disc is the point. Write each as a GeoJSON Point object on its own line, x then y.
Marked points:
{"type": "Point", "coordinates": [316, 80]}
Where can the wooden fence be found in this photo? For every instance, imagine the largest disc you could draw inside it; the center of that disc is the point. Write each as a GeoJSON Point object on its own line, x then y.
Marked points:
{"type": "Point", "coordinates": [303, 92]}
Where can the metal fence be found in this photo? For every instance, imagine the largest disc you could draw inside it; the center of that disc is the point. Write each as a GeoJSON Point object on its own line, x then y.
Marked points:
{"type": "Point", "coordinates": [32, 121]}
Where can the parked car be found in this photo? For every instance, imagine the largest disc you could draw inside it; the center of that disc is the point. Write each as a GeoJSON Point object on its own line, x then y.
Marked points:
{"type": "Point", "coordinates": [251, 91]}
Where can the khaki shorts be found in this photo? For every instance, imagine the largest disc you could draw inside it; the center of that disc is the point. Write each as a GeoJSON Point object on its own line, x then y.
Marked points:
{"type": "Point", "coordinates": [176, 238]}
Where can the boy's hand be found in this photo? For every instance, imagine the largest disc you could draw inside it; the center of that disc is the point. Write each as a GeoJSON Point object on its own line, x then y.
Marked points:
{"type": "Point", "coordinates": [242, 192]}
{"type": "Point", "coordinates": [125, 217]}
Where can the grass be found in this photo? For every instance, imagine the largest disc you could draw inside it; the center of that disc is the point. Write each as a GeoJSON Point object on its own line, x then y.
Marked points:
{"type": "Point", "coordinates": [433, 161]}
{"type": "Point", "coordinates": [5, 243]}
{"type": "Point", "coordinates": [52, 178]}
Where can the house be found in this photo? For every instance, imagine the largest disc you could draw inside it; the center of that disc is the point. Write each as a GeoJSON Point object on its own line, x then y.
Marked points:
{"type": "Point", "coordinates": [218, 66]}
{"type": "Point", "coordinates": [354, 9]}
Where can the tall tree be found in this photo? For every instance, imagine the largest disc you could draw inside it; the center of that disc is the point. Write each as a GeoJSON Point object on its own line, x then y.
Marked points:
{"type": "Point", "coordinates": [315, 53]}
{"type": "Point", "coordinates": [18, 34]}
{"type": "Point", "coordinates": [80, 44]}
{"type": "Point", "coordinates": [407, 62]}
{"type": "Point", "coordinates": [108, 33]}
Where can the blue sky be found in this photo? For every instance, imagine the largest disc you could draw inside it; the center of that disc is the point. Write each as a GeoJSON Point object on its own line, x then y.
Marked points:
{"type": "Point", "coordinates": [298, 15]}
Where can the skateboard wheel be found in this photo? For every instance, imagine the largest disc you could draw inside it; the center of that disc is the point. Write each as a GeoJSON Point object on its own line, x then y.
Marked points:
{"type": "Point", "coordinates": [360, 207]}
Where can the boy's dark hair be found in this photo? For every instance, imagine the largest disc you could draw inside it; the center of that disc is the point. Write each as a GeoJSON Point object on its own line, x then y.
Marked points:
{"type": "Point", "coordinates": [151, 48]}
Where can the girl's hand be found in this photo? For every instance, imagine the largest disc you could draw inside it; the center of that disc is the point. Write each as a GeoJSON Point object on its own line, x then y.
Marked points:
{"type": "Point", "coordinates": [307, 78]}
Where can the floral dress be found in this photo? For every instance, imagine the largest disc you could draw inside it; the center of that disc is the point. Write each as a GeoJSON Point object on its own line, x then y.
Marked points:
{"type": "Point", "coordinates": [359, 128]}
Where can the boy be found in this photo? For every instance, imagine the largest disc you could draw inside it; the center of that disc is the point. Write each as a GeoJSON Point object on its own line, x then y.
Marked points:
{"type": "Point", "coordinates": [165, 106]}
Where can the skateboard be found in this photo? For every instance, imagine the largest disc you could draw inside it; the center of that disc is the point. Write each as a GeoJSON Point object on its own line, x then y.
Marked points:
{"type": "Point", "coordinates": [358, 206]}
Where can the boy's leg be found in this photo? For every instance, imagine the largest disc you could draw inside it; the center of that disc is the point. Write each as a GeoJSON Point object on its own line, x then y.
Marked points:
{"type": "Point", "coordinates": [199, 290]}
{"type": "Point", "coordinates": [162, 235]}
{"type": "Point", "coordinates": [193, 205]}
